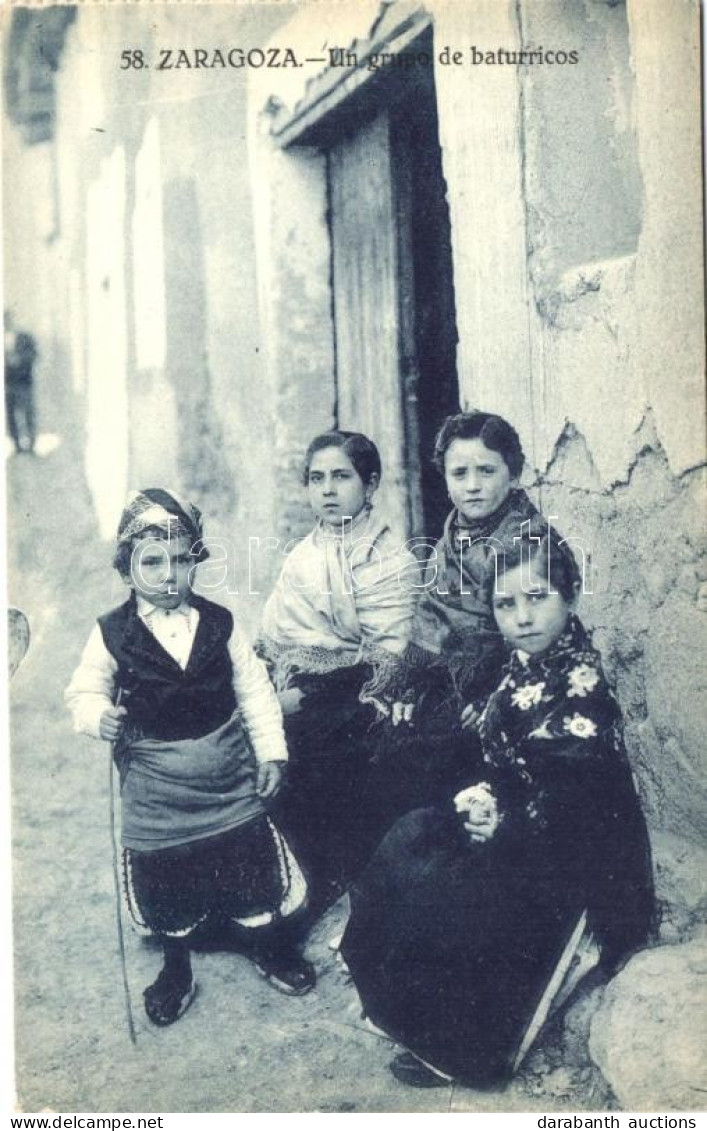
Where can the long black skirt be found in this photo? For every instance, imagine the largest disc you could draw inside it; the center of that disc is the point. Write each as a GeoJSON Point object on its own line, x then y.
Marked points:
{"type": "Point", "coordinates": [425, 761]}
{"type": "Point", "coordinates": [451, 944]}
{"type": "Point", "coordinates": [422, 763]}
{"type": "Point", "coordinates": [323, 809]}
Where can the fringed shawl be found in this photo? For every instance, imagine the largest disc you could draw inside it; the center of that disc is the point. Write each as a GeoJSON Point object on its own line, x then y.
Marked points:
{"type": "Point", "coordinates": [454, 627]}
{"type": "Point", "coordinates": [344, 596]}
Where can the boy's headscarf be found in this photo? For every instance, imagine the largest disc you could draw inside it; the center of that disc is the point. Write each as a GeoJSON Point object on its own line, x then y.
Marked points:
{"type": "Point", "coordinates": [156, 507]}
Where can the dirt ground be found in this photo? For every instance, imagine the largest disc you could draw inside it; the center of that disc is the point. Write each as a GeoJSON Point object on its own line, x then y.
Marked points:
{"type": "Point", "coordinates": [242, 1047]}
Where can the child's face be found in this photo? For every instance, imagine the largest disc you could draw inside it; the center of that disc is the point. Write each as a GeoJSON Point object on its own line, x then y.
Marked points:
{"type": "Point", "coordinates": [161, 570]}
{"type": "Point", "coordinates": [478, 479]}
{"type": "Point", "coordinates": [336, 490]}
{"type": "Point", "coordinates": [528, 613]}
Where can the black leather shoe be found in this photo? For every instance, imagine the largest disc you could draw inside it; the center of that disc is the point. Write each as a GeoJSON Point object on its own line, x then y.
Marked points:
{"type": "Point", "coordinates": [168, 998]}
{"type": "Point", "coordinates": [409, 1070]}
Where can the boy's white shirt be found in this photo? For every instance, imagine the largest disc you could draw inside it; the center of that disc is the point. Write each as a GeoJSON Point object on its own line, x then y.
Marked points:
{"type": "Point", "coordinates": [92, 687]}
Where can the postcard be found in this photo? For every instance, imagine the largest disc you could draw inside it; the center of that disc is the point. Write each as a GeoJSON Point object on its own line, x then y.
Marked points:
{"type": "Point", "coordinates": [346, 302]}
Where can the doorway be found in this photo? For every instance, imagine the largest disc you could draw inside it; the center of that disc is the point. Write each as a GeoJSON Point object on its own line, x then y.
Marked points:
{"type": "Point", "coordinates": [392, 284]}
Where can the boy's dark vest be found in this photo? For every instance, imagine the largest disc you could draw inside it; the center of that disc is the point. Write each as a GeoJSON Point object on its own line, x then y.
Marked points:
{"type": "Point", "coordinates": [162, 700]}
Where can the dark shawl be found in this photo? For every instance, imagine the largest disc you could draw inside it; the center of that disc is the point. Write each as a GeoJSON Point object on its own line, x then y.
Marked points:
{"type": "Point", "coordinates": [454, 628]}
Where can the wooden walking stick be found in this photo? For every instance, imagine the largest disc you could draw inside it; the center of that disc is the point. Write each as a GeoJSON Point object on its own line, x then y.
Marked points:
{"type": "Point", "coordinates": [116, 885]}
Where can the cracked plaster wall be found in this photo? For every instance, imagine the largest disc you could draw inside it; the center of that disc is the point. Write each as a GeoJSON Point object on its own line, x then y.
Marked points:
{"type": "Point", "coordinates": [644, 538]}
{"type": "Point", "coordinates": [567, 299]}
{"type": "Point", "coordinates": [577, 234]}
{"type": "Point", "coordinates": [618, 365]}
{"type": "Point", "coordinates": [575, 204]}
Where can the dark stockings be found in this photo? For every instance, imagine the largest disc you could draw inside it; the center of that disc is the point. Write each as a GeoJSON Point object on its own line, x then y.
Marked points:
{"type": "Point", "coordinates": [172, 991]}
{"type": "Point", "coordinates": [177, 961]}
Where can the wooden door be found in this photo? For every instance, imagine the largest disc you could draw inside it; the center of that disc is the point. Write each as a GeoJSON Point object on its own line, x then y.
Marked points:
{"type": "Point", "coordinates": [366, 269]}
{"type": "Point", "coordinates": [393, 295]}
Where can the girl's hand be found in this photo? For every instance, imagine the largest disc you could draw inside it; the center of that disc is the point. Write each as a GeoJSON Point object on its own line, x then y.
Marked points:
{"type": "Point", "coordinates": [110, 727]}
{"type": "Point", "coordinates": [470, 716]}
{"type": "Point", "coordinates": [269, 779]}
{"type": "Point", "coordinates": [478, 805]}
{"type": "Point", "coordinates": [290, 700]}
{"type": "Point", "coordinates": [482, 828]}
{"type": "Point", "coordinates": [401, 713]}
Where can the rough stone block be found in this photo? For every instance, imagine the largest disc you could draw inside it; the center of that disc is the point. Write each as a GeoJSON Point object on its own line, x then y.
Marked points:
{"type": "Point", "coordinates": [648, 1035]}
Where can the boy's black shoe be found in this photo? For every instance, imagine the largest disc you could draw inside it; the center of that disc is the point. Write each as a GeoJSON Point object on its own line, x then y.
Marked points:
{"type": "Point", "coordinates": [289, 973]}
{"type": "Point", "coordinates": [409, 1070]}
{"type": "Point", "coordinates": [168, 998]}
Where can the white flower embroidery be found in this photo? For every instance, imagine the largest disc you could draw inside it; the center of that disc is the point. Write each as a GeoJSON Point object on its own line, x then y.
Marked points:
{"type": "Point", "coordinates": [583, 679]}
{"type": "Point", "coordinates": [526, 697]}
{"type": "Point", "coordinates": [579, 726]}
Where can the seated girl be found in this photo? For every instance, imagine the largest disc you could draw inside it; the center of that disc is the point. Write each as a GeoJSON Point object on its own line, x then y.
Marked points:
{"type": "Point", "coordinates": [336, 623]}
{"type": "Point", "coordinates": [456, 651]}
{"type": "Point", "coordinates": [462, 916]}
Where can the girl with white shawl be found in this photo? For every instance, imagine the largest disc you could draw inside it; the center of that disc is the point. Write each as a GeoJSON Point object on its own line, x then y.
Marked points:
{"type": "Point", "coordinates": [332, 631]}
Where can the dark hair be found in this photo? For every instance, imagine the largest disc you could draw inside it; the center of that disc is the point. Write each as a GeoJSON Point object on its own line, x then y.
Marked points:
{"type": "Point", "coordinates": [362, 452]}
{"type": "Point", "coordinates": [538, 543]}
{"type": "Point", "coordinates": [495, 432]}
{"type": "Point", "coordinates": [124, 551]}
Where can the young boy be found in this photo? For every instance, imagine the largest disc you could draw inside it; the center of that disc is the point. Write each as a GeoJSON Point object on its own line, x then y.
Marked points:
{"type": "Point", "coordinates": [171, 681]}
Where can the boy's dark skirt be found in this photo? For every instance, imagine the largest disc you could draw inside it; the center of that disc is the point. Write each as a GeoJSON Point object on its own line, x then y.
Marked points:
{"type": "Point", "coordinates": [245, 874]}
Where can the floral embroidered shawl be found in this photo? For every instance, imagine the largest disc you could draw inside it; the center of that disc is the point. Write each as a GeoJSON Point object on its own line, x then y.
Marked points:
{"type": "Point", "coordinates": [560, 694]}
{"type": "Point", "coordinates": [552, 739]}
